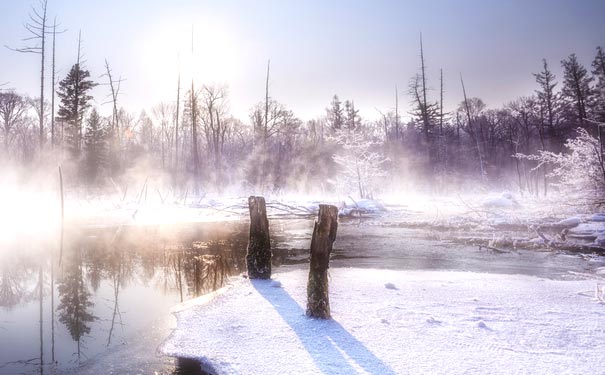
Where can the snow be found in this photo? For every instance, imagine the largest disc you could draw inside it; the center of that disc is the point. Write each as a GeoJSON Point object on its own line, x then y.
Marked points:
{"type": "Point", "coordinates": [433, 322]}
{"type": "Point", "coordinates": [504, 200]}
{"type": "Point", "coordinates": [570, 222]}
{"type": "Point", "coordinates": [597, 217]}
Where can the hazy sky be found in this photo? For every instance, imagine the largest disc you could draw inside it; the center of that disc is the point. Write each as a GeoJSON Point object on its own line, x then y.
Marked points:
{"type": "Point", "coordinates": [357, 49]}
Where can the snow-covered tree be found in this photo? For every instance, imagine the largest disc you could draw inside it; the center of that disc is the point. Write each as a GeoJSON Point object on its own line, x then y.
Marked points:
{"type": "Point", "coordinates": [361, 168]}
{"type": "Point", "coordinates": [580, 172]}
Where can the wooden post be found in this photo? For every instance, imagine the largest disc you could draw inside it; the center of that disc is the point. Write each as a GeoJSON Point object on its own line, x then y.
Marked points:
{"type": "Point", "coordinates": [258, 259]}
{"type": "Point", "coordinates": [324, 234]}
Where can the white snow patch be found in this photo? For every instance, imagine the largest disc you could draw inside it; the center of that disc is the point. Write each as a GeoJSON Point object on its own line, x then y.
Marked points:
{"type": "Point", "coordinates": [504, 200]}
{"type": "Point", "coordinates": [570, 221]}
{"type": "Point", "coordinates": [430, 325]}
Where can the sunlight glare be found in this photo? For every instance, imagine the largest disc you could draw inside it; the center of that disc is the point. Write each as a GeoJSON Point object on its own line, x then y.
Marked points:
{"type": "Point", "coordinates": [31, 215]}
{"type": "Point", "coordinates": [215, 58]}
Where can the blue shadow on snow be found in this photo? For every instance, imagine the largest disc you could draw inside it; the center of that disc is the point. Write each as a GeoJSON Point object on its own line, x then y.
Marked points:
{"type": "Point", "coordinates": [325, 340]}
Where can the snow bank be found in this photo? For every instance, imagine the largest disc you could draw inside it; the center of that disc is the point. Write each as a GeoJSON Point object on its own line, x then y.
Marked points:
{"type": "Point", "coordinates": [394, 322]}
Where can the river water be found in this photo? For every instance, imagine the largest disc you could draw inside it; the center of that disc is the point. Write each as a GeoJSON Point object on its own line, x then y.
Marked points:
{"type": "Point", "coordinates": [112, 288]}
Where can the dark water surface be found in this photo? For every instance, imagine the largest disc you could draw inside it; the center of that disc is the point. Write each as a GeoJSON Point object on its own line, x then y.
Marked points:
{"type": "Point", "coordinates": [114, 287]}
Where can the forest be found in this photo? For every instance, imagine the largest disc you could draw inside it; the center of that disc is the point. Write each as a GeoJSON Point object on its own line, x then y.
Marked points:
{"type": "Point", "coordinates": [542, 142]}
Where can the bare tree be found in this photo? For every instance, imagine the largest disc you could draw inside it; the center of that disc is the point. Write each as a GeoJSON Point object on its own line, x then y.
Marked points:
{"type": "Point", "coordinates": [215, 125]}
{"type": "Point", "coordinates": [472, 131]}
{"type": "Point", "coordinates": [54, 83]}
{"type": "Point", "coordinates": [114, 128]}
{"type": "Point", "coordinates": [12, 108]}
{"type": "Point", "coordinates": [162, 114]}
{"type": "Point", "coordinates": [266, 118]}
{"type": "Point", "coordinates": [397, 130]}
{"type": "Point", "coordinates": [194, 135]}
{"type": "Point", "coordinates": [37, 28]}
{"type": "Point", "coordinates": [176, 126]}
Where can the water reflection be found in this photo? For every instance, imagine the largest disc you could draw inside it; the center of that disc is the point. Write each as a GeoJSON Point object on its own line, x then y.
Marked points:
{"type": "Point", "coordinates": [113, 284]}
{"type": "Point", "coordinates": [107, 282]}
{"type": "Point", "coordinates": [75, 306]}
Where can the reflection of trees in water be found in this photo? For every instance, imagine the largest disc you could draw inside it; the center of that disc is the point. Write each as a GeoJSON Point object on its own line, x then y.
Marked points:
{"type": "Point", "coordinates": [11, 286]}
{"type": "Point", "coordinates": [75, 298]}
{"type": "Point", "coordinates": [188, 261]}
{"type": "Point", "coordinates": [119, 269]}
{"type": "Point", "coordinates": [209, 273]}
{"type": "Point", "coordinates": [204, 266]}
{"type": "Point", "coordinates": [195, 275]}
{"type": "Point", "coordinates": [17, 272]}
{"type": "Point", "coordinates": [106, 259]}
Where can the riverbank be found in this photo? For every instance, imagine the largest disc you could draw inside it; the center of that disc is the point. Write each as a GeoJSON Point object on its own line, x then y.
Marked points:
{"type": "Point", "coordinates": [396, 322]}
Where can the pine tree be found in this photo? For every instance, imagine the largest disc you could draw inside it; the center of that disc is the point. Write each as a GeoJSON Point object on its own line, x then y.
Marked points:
{"type": "Point", "coordinates": [335, 114]}
{"type": "Point", "coordinates": [598, 70]}
{"type": "Point", "coordinates": [73, 93]}
{"type": "Point", "coordinates": [352, 120]}
{"type": "Point", "coordinates": [95, 146]}
{"type": "Point", "coordinates": [576, 90]}
{"type": "Point", "coordinates": [548, 100]}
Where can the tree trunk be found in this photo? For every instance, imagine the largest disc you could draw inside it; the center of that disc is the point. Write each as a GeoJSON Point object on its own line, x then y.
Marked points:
{"type": "Point", "coordinates": [324, 234]}
{"type": "Point", "coordinates": [258, 259]}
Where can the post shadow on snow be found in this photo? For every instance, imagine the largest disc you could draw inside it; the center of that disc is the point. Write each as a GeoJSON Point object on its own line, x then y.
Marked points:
{"type": "Point", "coordinates": [324, 340]}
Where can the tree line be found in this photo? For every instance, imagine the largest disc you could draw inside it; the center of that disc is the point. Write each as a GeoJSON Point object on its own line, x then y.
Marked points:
{"type": "Point", "coordinates": [197, 145]}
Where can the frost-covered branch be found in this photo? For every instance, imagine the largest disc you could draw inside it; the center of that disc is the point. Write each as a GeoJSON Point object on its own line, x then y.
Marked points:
{"type": "Point", "coordinates": [580, 171]}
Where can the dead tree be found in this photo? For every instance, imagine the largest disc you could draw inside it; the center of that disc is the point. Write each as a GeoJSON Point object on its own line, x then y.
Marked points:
{"type": "Point", "coordinates": [396, 114]}
{"type": "Point", "coordinates": [258, 258]}
{"type": "Point", "coordinates": [37, 28]}
{"type": "Point", "coordinates": [53, 83]}
{"type": "Point", "coordinates": [176, 126]}
{"type": "Point", "coordinates": [115, 140]}
{"type": "Point", "coordinates": [470, 125]}
{"type": "Point", "coordinates": [12, 109]}
{"type": "Point", "coordinates": [324, 234]}
{"type": "Point", "coordinates": [194, 137]}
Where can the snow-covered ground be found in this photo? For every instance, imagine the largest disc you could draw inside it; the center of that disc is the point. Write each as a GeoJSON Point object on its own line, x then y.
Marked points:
{"type": "Point", "coordinates": [397, 322]}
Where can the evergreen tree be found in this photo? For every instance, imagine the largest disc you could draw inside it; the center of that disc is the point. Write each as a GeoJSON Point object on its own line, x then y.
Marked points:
{"type": "Point", "coordinates": [96, 146]}
{"type": "Point", "coordinates": [335, 114]}
{"type": "Point", "coordinates": [598, 70]}
{"type": "Point", "coordinates": [576, 90]}
{"type": "Point", "coordinates": [73, 93]}
{"type": "Point", "coordinates": [548, 101]}
{"type": "Point", "coordinates": [352, 120]}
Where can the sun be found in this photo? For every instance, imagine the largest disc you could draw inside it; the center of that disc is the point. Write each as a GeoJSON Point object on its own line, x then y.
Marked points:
{"type": "Point", "coordinates": [207, 52]}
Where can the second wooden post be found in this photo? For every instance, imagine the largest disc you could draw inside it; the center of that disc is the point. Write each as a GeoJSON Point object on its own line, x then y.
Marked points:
{"type": "Point", "coordinates": [324, 234]}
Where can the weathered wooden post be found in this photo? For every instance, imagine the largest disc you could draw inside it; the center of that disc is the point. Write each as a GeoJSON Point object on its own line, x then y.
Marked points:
{"type": "Point", "coordinates": [258, 258]}
{"type": "Point", "coordinates": [324, 234]}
